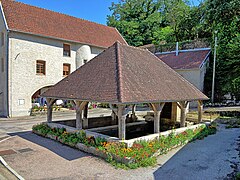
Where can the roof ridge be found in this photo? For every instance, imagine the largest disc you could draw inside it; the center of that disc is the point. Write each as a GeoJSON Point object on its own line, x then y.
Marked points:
{"type": "Point", "coordinates": [61, 13]}
{"type": "Point", "coordinates": [118, 70]}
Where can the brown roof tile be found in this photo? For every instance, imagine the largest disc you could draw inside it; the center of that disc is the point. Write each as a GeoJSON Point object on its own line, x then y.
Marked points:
{"type": "Point", "coordinates": [184, 60]}
{"type": "Point", "coordinates": [125, 74]}
{"type": "Point", "coordinates": [25, 18]}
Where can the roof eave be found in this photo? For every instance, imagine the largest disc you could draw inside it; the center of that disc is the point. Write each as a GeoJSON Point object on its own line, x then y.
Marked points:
{"type": "Point", "coordinates": [56, 38]}
{"type": "Point", "coordinates": [117, 102]}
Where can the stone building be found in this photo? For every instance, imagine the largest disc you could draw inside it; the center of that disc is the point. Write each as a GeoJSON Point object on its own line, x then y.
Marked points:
{"type": "Point", "coordinates": [39, 48]}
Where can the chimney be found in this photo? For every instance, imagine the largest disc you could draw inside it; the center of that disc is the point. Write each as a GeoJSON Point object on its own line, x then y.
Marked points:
{"type": "Point", "coordinates": [177, 49]}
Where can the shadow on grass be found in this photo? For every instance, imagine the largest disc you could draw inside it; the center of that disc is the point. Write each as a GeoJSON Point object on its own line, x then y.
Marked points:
{"type": "Point", "coordinates": [64, 151]}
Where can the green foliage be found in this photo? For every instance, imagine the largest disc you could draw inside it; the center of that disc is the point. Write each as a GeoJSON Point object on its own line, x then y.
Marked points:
{"type": "Point", "coordinates": [136, 20]}
{"type": "Point", "coordinates": [150, 21]}
{"type": "Point", "coordinates": [69, 138]}
{"type": "Point", "coordinates": [223, 16]}
{"type": "Point", "coordinates": [238, 176]}
{"type": "Point", "coordinates": [143, 153]}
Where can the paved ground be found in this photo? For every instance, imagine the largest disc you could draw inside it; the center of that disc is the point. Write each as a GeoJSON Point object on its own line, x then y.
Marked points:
{"type": "Point", "coordinates": [212, 158]}
{"type": "Point", "coordinates": [34, 157]}
{"type": "Point", "coordinates": [5, 174]}
{"type": "Point", "coordinates": [21, 124]}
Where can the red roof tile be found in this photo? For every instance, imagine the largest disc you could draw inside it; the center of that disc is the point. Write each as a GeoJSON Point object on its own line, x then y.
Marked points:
{"type": "Point", "coordinates": [185, 60]}
{"type": "Point", "coordinates": [25, 18]}
{"type": "Point", "coordinates": [125, 74]}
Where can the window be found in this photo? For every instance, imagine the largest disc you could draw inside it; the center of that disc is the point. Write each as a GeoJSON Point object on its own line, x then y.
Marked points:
{"type": "Point", "coordinates": [41, 67]}
{"type": "Point", "coordinates": [84, 61]}
{"type": "Point", "coordinates": [2, 64]}
{"type": "Point", "coordinates": [66, 50]}
{"type": "Point", "coordinates": [66, 69]}
{"type": "Point", "coordinates": [2, 39]}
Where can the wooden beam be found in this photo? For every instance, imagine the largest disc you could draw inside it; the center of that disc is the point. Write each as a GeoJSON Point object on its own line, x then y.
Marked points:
{"type": "Point", "coordinates": [200, 111]}
{"type": "Point", "coordinates": [50, 102]}
{"type": "Point", "coordinates": [79, 107]}
{"type": "Point", "coordinates": [157, 108]}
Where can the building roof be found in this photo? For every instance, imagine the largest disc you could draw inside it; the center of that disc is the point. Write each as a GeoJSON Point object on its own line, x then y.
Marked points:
{"type": "Point", "coordinates": [126, 75]}
{"type": "Point", "coordinates": [29, 19]}
{"type": "Point", "coordinates": [186, 59]}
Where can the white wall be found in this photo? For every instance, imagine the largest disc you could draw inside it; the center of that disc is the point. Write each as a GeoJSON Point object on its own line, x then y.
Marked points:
{"type": "Point", "coordinates": [3, 75]}
{"type": "Point", "coordinates": [192, 75]}
{"type": "Point", "coordinates": [24, 82]}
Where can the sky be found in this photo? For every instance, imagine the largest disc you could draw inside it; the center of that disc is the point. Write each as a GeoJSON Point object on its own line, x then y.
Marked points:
{"type": "Point", "coordinates": [92, 10]}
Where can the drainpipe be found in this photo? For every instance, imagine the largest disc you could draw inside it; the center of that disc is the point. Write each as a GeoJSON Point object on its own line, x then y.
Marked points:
{"type": "Point", "coordinates": [177, 49]}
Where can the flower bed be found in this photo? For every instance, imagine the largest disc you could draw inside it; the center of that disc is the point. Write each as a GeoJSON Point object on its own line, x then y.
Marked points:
{"type": "Point", "coordinates": [141, 154]}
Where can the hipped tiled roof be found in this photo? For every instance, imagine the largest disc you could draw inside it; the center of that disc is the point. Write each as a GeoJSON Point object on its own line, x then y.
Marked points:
{"type": "Point", "coordinates": [125, 74]}
{"type": "Point", "coordinates": [29, 19]}
{"type": "Point", "coordinates": [185, 60]}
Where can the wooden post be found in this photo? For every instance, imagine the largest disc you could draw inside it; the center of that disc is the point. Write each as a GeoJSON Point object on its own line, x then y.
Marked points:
{"type": "Point", "coordinates": [200, 111]}
{"type": "Point", "coordinates": [183, 106]}
{"type": "Point", "coordinates": [174, 113]}
{"type": "Point", "coordinates": [122, 114]}
{"type": "Point", "coordinates": [79, 108]}
{"type": "Point", "coordinates": [157, 108]}
{"type": "Point", "coordinates": [134, 117]}
{"type": "Point", "coordinates": [85, 113]}
{"type": "Point", "coordinates": [114, 113]}
{"type": "Point", "coordinates": [50, 103]}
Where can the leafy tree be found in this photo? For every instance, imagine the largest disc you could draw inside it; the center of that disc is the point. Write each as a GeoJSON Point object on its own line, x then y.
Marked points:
{"type": "Point", "coordinates": [224, 16]}
{"type": "Point", "coordinates": [137, 20]}
{"type": "Point", "coordinates": [176, 12]}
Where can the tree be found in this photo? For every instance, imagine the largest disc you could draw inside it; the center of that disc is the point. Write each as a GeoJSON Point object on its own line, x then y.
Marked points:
{"type": "Point", "coordinates": [176, 12]}
{"type": "Point", "coordinates": [137, 20]}
{"type": "Point", "coordinates": [224, 16]}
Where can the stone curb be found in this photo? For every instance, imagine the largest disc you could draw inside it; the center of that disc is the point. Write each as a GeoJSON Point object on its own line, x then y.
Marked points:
{"type": "Point", "coordinates": [10, 169]}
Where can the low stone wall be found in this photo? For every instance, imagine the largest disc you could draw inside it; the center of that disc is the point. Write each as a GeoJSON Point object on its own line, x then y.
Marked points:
{"type": "Point", "coordinates": [129, 142]}
{"type": "Point", "coordinates": [150, 137]}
